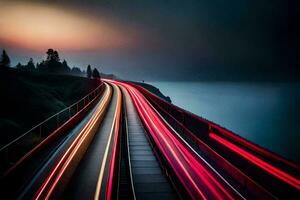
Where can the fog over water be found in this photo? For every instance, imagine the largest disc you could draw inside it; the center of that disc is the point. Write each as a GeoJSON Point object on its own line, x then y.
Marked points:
{"type": "Point", "coordinates": [265, 113]}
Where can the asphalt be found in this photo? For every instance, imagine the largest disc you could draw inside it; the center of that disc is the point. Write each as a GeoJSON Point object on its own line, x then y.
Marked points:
{"type": "Point", "coordinates": [51, 159]}
{"type": "Point", "coordinates": [84, 180]}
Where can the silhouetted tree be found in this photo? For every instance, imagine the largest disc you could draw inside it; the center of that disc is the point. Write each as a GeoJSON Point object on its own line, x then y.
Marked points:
{"type": "Point", "coordinates": [19, 66]}
{"type": "Point", "coordinates": [30, 65]}
{"type": "Point", "coordinates": [65, 67]}
{"type": "Point", "coordinates": [89, 71]}
{"type": "Point", "coordinates": [52, 63]}
{"type": "Point", "coordinates": [38, 65]}
{"type": "Point", "coordinates": [49, 54]}
{"type": "Point", "coordinates": [56, 56]}
{"type": "Point", "coordinates": [76, 71]}
{"type": "Point", "coordinates": [4, 60]}
{"type": "Point", "coordinates": [96, 73]}
{"type": "Point", "coordinates": [52, 55]}
{"type": "Point", "coordinates": [42, 66]}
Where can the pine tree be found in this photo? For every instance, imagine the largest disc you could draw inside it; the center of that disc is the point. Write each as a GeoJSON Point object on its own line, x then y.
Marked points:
{"type": "Point", "coordinates": [76, 71]}
{"type": "Point", "coordinates": [89, 71]}
{"type": "Point", "coordinates": [66, 68]}
{"type": "Point", "coordinates": [96, 73]}
{"type": "Point", "coordinates": [19, 66]}
{"type": "Point", "coordinates": [4, 60]}
{"type": "Point", "coordinates": [30, 65]}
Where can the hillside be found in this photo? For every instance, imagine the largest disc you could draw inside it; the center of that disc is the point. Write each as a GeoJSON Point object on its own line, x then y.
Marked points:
{"type": "Point", "coordinates": [29, 98]}
{"type": "Point", "coordinates": [154, 90]}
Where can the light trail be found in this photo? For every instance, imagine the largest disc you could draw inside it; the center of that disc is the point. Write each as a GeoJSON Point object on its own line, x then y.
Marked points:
{"type": "Point", "coordinates": [199, 181]}
{"type": "Point", "coordinates": [48, 186]}
{"type": "Point", "coordinates": [41, 144]}
{"type": "Point", "coordinates": [114, 129]}
{"type": "Point", "coordinates": [257, 161]}
{"type": "Point", "coordinates": [245, 181]}
{"type": "Point", "coordinates": [114, 150]}
{"type": "Point", "coordinates": [260, 153]}
{"type": "Point", "coordinates": [188, 173]}
{"type": "Point", "coordinates": [255, 148]}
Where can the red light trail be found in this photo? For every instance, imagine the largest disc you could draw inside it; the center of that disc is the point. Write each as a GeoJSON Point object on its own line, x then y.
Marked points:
{"type": "Point", "coordinates": [255, 148]}
{"type": "Point", "coordinates": [114, 150]}
{"type": "Point", "coordinates": [257, 161]}
{"type": "Point", "coordinates": [199, 180]}
{"type": "Point", "coordinates": [197, 176]}
{"type": "Point", "coordinates": [46, 189]}
{"type": "Point", "coordinates": [262, 154]}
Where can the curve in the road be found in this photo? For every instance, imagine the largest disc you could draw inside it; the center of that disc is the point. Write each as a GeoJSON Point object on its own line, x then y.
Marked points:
{"type": "Point", "coordinates": [196, 176]}
{"type": "Point", "coordinates": [67, 161]}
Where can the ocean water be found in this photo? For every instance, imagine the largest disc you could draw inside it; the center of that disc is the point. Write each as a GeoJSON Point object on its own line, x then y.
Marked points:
{"type": "Point", "coordinates": [265, 113]}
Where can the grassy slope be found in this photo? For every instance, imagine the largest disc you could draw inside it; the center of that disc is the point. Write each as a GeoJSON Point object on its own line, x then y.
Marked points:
{"type": "Point", "coordinates": [27, 99]}
{"type": "Point", "coordinates": [154, 90]}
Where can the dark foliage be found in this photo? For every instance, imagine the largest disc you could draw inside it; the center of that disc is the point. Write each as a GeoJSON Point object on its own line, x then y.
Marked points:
{"type": "Point", "coordinates": [4, 60]}
{"type": "Point", "coordinates": [96, 73]}
{"type": "Point", "coordinates": [52, 55]}
{"type": "Point", "coordinates": [38, 90]}
{"type": "Point", "coordinates": [35, 95]}
{"type": "Point", "coordinates": [29, 67]}
{"type": "Point", "coordinates": [52, 65]}
{"type": "Point", "coordinates": [89, 71]}
{"type": "Point", "coordinates": [76, 71]}
{"type": "Point", "coordinates": [65, 67]}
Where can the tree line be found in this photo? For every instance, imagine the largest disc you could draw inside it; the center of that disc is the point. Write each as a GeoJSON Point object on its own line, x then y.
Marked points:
{"type": "Point", "coordinates": [52, 64]}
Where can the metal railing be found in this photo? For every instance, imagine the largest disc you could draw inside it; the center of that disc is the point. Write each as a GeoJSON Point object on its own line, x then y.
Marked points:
{"type": "Point", "coordinates": [195, 130]}
{"type": "Point", "coordinates": [201, 128]}
{"type": "Point", "coordinates": [14, 150]}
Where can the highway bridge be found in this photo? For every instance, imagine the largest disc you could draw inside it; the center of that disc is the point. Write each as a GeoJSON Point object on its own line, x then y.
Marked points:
{"type": "Point", "coordinates": [123, 142]}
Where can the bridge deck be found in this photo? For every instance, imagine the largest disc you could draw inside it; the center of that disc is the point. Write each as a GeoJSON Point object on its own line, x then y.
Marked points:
{"type": "Point", "coordinates": [148, 179]}
{"type": "Point", "coordinates": [48, 161]}
{"type": "Point", "coordinates": [84, 180]}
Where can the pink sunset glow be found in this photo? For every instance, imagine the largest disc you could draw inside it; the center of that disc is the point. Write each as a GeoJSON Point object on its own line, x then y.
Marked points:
{"type": "Point", "coordinates": [37, 27]}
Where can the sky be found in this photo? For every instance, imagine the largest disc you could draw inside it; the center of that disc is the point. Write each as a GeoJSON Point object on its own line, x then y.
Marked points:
{"type": "Point", "coordinates": [189, 40]}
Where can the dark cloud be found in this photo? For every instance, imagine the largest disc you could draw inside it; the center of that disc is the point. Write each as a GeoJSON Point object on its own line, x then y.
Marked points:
{"type": "Point", "coordinates": [194, 39]}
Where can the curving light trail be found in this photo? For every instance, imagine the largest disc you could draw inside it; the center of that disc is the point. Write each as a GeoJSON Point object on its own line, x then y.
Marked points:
{"type": "Point", "coordinates": [115, 146]}
{"type": "Point", "coordinates": [257, 155]}
{"type": "Point", "coordinates": [198, 177]}
{"type": "Point", "coordinates": [114, 130]}
{"type": "Point", "coordinates": [49, 185]}
{"type": "Point", "coordinates": [200, 181]}
{"type": "Point", "coordinates": [257, 161]}
{"type": "Point", "coordinates": [255, 148]}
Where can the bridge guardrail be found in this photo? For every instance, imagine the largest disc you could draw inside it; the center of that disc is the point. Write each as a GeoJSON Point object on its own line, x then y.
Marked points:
{"type": "Point", "coordinates": [201, 127]}
{"type": "Point", "coordinates": [17, 148]}
{"type": "Point", "coordinates": [196, 129]}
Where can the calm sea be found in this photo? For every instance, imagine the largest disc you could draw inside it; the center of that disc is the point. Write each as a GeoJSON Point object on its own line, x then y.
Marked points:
{"type": "Point", "coordinates": [265, 113]}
